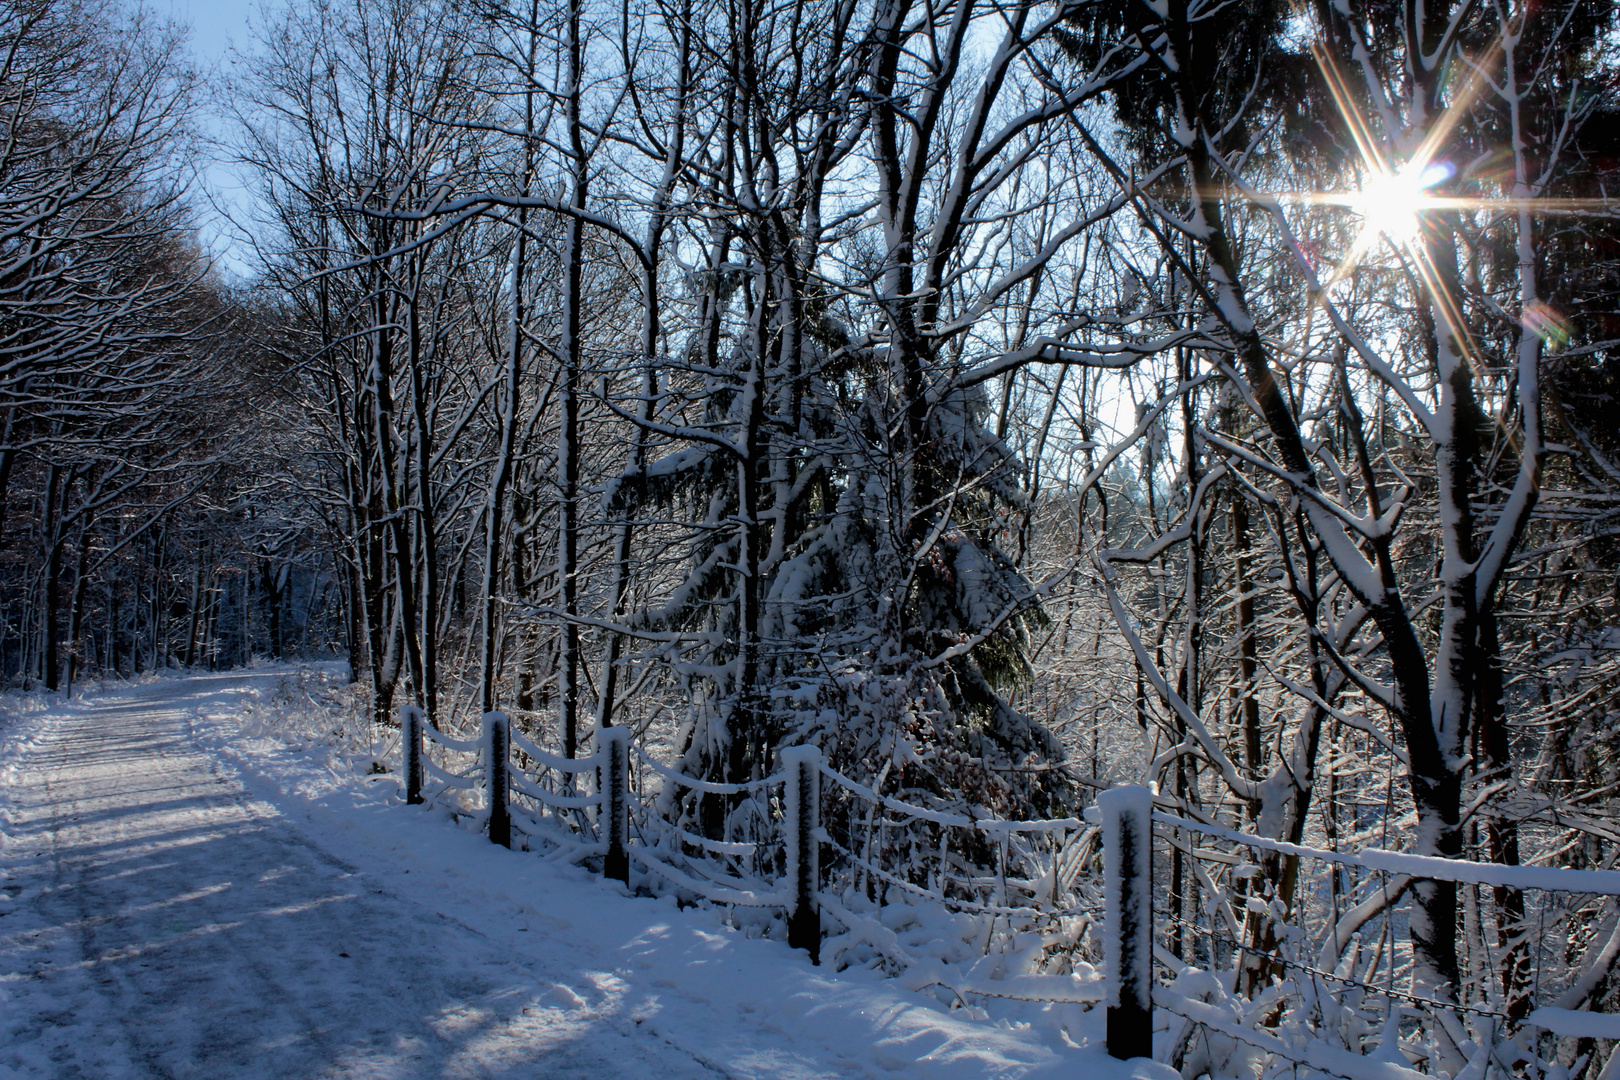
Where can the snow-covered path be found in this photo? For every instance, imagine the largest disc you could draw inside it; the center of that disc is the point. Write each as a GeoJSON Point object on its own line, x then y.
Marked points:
{"type": "Point", "coordinates": [221, 942]}
{"type": "Point", "coordinates": [179, 898]}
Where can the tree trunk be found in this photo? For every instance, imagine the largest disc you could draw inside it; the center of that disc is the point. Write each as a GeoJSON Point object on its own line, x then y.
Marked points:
{"type": "Point", "coordinates": [573, 317]}
{"type": "Point", "coordinates": [196, 604]}
{"type": "Point", "coordinates": [650, 327]}
{"type": "Point", "coordinates": [112, 625]}
{"type": "Point", "coordinates": [51, 528]}
{"type": "Point", "coordinates": [81, 578]}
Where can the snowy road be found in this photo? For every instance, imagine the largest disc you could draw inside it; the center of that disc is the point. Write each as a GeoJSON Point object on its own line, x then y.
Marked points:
{"type": "Point", "coordinates": [221, 942]}
{"type": "Point", "coordinates": [182, 895]}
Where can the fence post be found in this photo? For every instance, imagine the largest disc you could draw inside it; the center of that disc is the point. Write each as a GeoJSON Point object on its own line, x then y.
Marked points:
{"type": "Point", "coordinates": [410, 751]}
{"type": "Point", "coordinates": [801, 824]}
{"type": "Point", "coordinates": [1127, 835]}
{"type": "Point", "coordinates": [497, 754]}
{"type": "Point", "coordinates": [615, 780]}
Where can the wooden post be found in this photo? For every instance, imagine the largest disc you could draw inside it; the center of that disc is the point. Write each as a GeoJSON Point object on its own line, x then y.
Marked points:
{"type": "Point", "coordinates": [1127, 835]}
{"type": "Point", "coordinates": [802, 824]}
{"type": "Point", "coordinates": [497, 751]}
{"type": "Point", "coordinates": [615, 779]}
{"type": "Point", "coordinates": [410, 751]}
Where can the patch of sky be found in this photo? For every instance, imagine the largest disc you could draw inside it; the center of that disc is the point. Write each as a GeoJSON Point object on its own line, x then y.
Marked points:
{"type": "Point", "coordinates": [221, 35]}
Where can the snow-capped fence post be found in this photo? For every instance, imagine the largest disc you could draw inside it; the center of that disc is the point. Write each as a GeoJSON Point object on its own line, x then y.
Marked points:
{"type": "Point", "coordinates": [1127, 835]}
{"type": "Point", "coordinates": [615, 742]}
{"type": "Point", "coordinates": [410, 751]}
{"type": "Point", "coordinates": [497, 753]}
{"type": "Point", "coordinates": [801, 824]}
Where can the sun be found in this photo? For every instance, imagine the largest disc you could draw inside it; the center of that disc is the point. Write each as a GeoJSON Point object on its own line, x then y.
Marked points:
{"type": "Point", "coordinates": [1391, 203]}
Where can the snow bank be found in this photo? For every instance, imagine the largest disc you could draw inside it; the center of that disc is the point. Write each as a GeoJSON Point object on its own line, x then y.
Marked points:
{"type": "Point", "coordinates": [748, 1005]}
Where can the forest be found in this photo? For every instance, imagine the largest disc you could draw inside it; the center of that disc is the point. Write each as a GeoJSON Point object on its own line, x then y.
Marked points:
{"type": "Point", "coordinates": [1011, 398]}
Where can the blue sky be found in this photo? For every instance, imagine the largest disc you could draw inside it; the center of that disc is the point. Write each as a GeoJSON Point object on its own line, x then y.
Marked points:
{"type": "Point", "coordinates": [215, 24]}
{"type": "Point", "coordinates": [216, 27]}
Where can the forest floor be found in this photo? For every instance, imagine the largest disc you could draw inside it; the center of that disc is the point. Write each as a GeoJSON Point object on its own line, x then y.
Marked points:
{"type": "Point", "coordinates": [181, 898]}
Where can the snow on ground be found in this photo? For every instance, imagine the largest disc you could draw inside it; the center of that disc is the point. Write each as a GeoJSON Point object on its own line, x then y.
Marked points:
{"type": "Point", "coordinates": [182, 893]}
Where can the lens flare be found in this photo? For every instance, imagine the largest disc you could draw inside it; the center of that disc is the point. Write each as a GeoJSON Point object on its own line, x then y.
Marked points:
{"type": "Point", "coordinates": [1546, 323]}
{"type": "Point", "coordinates": [1391, 204]}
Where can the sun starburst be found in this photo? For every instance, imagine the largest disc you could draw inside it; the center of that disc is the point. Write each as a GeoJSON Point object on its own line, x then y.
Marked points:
{"type": "Point", "coordinates": [1401, 192]}
{"type": "Point", "coordinates": [1391, 204]}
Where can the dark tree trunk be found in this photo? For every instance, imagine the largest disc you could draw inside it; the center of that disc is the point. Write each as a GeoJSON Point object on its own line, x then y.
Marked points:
{"type": "Point", "coordinates": [112, 625]}
{"type": "Point", "coordinates": [50, 617]}
{"type": "Point", "coordinates": [81, 578]}
{"type": "Point", "coordinates": [1501, 832]}
{"type": "Point", "coordinates": [196, 604]}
